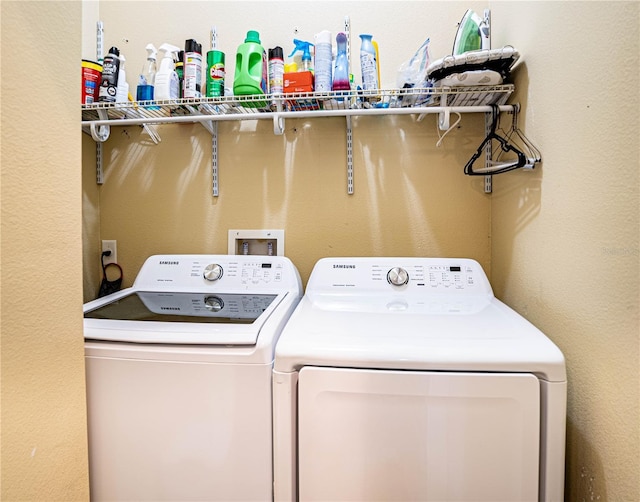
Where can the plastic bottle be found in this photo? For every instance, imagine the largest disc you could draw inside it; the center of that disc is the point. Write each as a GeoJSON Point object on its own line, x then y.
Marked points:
{"type": "Point", "coordinates": [304, 47]}
{"type": "Point", "coordinates": [341, 69]}
{"type": "Point", "coordinates": [147, 78]}
{"type": "Point", "coordinates": [251, 76]}
{"type": "Point", "coordinates": [368, 63]}
{"type": "Point", "coordinates": [276, 70]}
{"type": "Point", "coordinates": [166, 86]}
{"type": "Point", "coordinates": [109, 81]}
{"type": "Point", "coordinates": [192, 87]}
{"type": "Point", "coordinates": [323, 61]}
{"type": "Point", "coordinates": [122, 90]}
{"type": "Point", "coordinates": [179, 64]}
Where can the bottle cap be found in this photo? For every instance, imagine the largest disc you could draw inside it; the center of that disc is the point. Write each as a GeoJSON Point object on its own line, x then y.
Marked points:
{"type": "Point", "coordinates": [114, 50]}
{"type": "Point", "coordinates": [253, 36]}
{"type": "Point", "coordinates": [276, 53]}
{"type": "Point", "coordinates": [191, 45]}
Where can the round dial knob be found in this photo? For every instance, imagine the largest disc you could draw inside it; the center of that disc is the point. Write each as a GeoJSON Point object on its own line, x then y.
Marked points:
{"type": "Point", "coordinates": [397, 276]}
{"type": "Point", "coordinates": [212, 272]}
{"type": "Point", "coordinates": [213, 303]}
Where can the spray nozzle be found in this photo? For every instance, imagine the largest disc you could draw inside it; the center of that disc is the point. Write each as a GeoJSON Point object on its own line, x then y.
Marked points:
{"type": "Point", "coordinates": [169, 50]}
{"type": "Point", "coordinates": [302, 46]}
{"type": "Point", "coordinates": [151, 51]}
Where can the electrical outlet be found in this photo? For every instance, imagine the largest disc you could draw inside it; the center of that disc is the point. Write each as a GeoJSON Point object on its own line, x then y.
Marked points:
{"type": "Point", "coordinates": [110, 246]}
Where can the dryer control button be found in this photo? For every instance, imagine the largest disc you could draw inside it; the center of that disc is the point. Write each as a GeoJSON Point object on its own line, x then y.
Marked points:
{"type": "Point", "coordinates": [212, 272]}
{"type": "Point", "coordinates": [213, 303]}
{"type": "Point", "coordinates": [398, 276]}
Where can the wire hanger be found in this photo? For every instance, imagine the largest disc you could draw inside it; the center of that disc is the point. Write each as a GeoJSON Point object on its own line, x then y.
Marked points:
{"type": "Point", "coordinates": [505, 146]}
{"type": "Point", "coordinates": [516, 135]}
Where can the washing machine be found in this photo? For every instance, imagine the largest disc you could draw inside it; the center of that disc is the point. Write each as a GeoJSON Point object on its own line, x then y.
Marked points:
{"type": "Point", "coordinates": [178, 372]}
{"type": "Point", "coordinates": [405, 379]}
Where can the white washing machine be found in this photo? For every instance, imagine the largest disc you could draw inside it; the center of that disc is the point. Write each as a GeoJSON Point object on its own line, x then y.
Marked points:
{"type": "Point", "coordinates": [405, 379]}
{"type": "Point", "coordinates": [178, 372]}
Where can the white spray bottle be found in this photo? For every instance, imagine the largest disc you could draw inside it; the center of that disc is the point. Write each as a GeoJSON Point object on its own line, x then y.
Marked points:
{"type": "Point", "coordinates": [167, 84]}
{"type": "Point", "coordinates": [122, 93]}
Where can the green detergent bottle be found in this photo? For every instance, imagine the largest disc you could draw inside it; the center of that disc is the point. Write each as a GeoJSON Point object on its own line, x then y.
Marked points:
{"type": "Point", "coordinates": [251, 75]}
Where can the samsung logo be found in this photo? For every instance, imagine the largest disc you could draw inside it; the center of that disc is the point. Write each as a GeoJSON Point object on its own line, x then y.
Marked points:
{"type": "Point", "coordinates": [343, 266]}
{"type": "Point", "coordinates": [169, 308]}
{"type": "Point", "coordinates": [166, 262]}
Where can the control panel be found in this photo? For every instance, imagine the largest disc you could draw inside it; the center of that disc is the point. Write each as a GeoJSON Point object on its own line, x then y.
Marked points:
{"type": "Point", "coordinates": [217, 272]}
{"type": "Point", "coordinates": [408, 275]}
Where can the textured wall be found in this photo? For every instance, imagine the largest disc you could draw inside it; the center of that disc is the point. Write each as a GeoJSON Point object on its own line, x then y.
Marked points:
{"type": "Point", "coordinates": [411, 197]}
{"type": "Point", "coordinates": [44, 449]}
{"type": "Point", "coordinates": [565, 238]}
{"type": "Point", "coordinates": [561, 243]}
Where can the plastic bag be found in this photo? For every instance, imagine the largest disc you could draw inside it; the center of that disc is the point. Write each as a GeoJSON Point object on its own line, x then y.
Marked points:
{"type": "Point", "coordinates": [413, 74]}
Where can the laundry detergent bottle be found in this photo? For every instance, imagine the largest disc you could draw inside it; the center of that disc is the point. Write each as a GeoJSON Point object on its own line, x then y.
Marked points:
{"type": "Point", "coordinates": [251, 74]}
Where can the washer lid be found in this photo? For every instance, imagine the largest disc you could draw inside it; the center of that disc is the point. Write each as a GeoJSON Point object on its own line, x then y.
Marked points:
{"type": "Point", "coordinates": [470, 333]}
{"type": "Point", "coordinates": [180, 317]}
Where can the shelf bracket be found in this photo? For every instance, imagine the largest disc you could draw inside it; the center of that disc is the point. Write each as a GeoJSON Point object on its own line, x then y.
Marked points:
{"type": "Point", "coordinates": [349, 156]}
{"type": "Point", "coordinates": [488, 153]}
{"type": "Point", "coordinates": [278, 124]}
{"type": "Point", "coordinates": [214, 157]}
{"type": "Point", "coordinates": [444, 119]}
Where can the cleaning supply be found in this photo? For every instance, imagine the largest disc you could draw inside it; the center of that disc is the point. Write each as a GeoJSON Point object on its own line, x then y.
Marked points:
{"type": "Point", "coordinates": [166, 85]}
{"type": "Point", "coordinates": [304, 47]}
{"type": "Point", "coordinates": [147, 78]}
{"type": "Point", "coordinates": [276, 70]}
{"type": "Point", "coordinates": [215, 74]}
{"type": "Point", "coordinates": [122, 90]}
{"type": "Point", "coordinates": [322, 62]}
{"type": "Point", "coordinates": [251, 76]}
{"type": "Point", "coordinates": [179, 65]}
{"type": "Point", "coordinates": [91, 78]}
{"type": "Point", "coordinates": [368, 63]}
{"type": "Point", "coordinates": [296, 79]}
{"type": "Point", "coordinates": [192, 86]}
{"type": "Point", "coordinates": [341, 68]}
{"type": "Point", "coordinates": [109, 81]}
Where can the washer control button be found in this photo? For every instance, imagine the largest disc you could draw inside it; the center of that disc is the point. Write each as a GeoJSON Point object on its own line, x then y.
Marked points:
{"type": "Point", "coordinates": [213, 303]}
{"type": "Point", "coordinates": [398, 276]}
{"type": "Point", "coordinates": [212, 272]}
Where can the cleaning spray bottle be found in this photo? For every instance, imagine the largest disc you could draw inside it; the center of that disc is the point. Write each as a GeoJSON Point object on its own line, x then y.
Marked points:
{"type": "Point", "coordinates": [109, 81]}
{"type": "Point", "coordinates": [341, 69]}
{"type": "Point", "coordinates": [301, 80]}
{"type": "Point", "coordinates": [323, 62]}
{"type": "Point", "coordinates": [166, 85]}
{"type": "Point", "coordinates": [122, 90]}
{"type": "Point", "coordinates": [147, 78]}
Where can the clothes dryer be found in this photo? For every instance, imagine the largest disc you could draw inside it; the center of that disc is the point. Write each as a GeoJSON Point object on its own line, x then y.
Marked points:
{"type": "Point", "coordinates": [405, 379]}
{"type": "Point", "coordinates": [178, 372]}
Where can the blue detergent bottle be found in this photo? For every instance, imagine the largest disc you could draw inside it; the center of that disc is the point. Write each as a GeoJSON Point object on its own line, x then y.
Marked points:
{"type": "Point", "coordinates": [251, 74]}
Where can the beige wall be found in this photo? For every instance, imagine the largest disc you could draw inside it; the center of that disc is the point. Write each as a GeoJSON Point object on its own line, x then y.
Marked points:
{"type": "Point", "coordinates": [565, 249]}
{"type": "Point", "coordinates": [410, 196]}
{"type": "Point", "coordinates": [560, 243]}
{"type": "Point", "coordinates": [44, 450]}
{"type": "Point", "coordinates": [564, 239]}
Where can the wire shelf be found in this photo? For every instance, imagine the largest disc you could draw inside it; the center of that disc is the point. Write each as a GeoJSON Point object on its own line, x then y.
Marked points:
{"type": "Point", "coordinates": [357, 102]}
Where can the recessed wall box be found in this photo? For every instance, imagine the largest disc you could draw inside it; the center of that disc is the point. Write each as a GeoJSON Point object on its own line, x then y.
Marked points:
{"type": "Point", "coordinates": [258, 242]}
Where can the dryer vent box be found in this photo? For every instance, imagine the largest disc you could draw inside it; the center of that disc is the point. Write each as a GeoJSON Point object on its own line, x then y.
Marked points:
{"type": "Point", "coordinates": [258, 242]}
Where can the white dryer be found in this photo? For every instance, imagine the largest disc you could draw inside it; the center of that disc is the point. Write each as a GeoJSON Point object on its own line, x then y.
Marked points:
{"type": "Point", "coordinates": [178, 372]}
{"type": "Point", "coordinates": [405, 379]}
